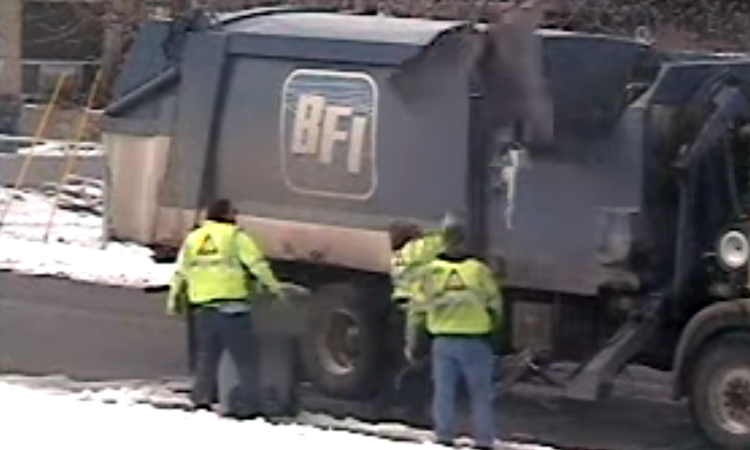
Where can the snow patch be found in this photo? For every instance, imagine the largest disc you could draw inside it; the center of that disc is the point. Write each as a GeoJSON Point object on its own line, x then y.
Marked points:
{"type": "Point", "coordinates": [75, 248]}
{"type": "Point", "coordinates": [139, 396]}
{"type": "Point", "coordinates": [34, 418]}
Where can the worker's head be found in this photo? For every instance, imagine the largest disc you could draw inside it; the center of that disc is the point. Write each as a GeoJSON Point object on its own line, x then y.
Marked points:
{"type": "Point", "coordinates": [454, 234]}
{"type": "Point", "coordinates": [221, 210]}
{"type": "Point", "coordinates": [402, 232]}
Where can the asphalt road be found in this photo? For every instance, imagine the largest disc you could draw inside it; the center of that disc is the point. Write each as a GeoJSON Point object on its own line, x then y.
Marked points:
{"type": "Point", "coordinates": [89, 332]}
{"type": "Point", "coordinates": [621, 423]}
{"type": "Point", "coordinates": [86, 331]}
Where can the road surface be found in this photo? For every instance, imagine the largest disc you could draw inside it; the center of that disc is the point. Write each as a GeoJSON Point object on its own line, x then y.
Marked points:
{"type": "Point", "coordinates": [87, 331]}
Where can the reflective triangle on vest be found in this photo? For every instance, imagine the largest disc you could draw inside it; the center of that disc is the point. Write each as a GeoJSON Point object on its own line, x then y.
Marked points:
{"type": "Point", "coordinates": [207, 246]}
{"type": "Point", "coordinates": [454, 282]}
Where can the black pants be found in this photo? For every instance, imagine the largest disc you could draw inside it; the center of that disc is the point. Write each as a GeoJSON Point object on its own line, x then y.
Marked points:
{"type": "Point", "coordinates": [215, 332]}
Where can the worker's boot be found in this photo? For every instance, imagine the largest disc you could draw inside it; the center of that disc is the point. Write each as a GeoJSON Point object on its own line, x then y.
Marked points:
{"type": "Point", "coordinates": [204, 407]}
{"type": "Point", "coordinates": [446, 443]}
{"type": "Point", "coordinates": [200, 407]}
{"type": "Point", "coordinates": [241, 406]}
{"type": "Point", "coordinates": [478, 446]}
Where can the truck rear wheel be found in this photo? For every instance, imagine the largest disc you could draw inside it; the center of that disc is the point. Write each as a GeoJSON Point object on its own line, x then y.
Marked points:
{"type": "Point", "coordinates": [720, 392]}
{"type": "Point", "coordinates": [344, 342]}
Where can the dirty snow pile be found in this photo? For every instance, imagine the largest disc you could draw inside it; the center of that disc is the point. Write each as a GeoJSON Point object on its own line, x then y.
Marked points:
{"type": "Point", "coordinates": [74, 248]}
{"type": "Point", "coordinates": [37, 419]}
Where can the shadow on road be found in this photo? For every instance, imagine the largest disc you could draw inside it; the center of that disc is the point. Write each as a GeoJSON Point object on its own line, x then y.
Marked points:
{"type": "Point", "coordinates": [615, 424]}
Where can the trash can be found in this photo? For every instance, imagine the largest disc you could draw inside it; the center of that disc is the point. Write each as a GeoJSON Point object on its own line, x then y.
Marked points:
{"type": "Point", "coordinates": [276, 328]}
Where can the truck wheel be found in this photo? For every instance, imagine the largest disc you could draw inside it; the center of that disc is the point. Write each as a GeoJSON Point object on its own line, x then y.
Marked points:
{"type": "Point", "coordinates": [720, 392]}
{"type": "Point", "coordinates": [342, 345]}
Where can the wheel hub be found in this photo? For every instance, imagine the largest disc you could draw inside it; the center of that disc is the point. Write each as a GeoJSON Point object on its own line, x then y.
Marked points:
{"type": "Point", "coordinates": [338, 347]}
{"type": "Point", "coordinates": [731, 403]}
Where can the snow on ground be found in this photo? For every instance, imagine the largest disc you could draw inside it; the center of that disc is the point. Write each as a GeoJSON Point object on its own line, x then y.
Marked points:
{"type": "Point", "coordinates": [70, 415]}
{"type": "Point", "coordinates": [74, 249]}
{"type": "Point", "coordinates": [36, 419]}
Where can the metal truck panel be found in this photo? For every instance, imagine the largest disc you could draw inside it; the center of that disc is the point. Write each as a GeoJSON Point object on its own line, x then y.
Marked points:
{"type": "Point", "coordinates": [234, 130]}
{"type": "Point", "coordinates": [547, 228]}
{"type": "Point", "coordinates": [425, 137]}
{"type": "Point", "coordinates": [553, 218]}
{"type": "Point", "coordinates": [587, 94]}
{"type": "Point", "coordinates": [144, 60]}
{"type": "Point", "coordinates": [291, 240]}
{"type": "Point", "coordinates": [132, 205]}
{"type": "Point", "coordinates": [417, 33]}
{"type": "Point", "coordinates": [256, 162]}
{"type": "Point", "coordinates": [203, 64]}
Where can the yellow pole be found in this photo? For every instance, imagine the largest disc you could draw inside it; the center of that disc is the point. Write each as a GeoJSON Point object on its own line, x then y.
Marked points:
{"type": "Point", "coordinates": [41, 127]}
{"type": "Point", "coordinates": [70, 153]}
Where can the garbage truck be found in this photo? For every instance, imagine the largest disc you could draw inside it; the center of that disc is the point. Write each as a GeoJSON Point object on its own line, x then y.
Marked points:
{"type": "Point", "coordinates": [610, 192]}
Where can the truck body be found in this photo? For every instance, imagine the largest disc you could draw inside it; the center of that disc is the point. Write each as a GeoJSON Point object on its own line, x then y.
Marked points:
{"type": "Point", "coordinates": [622, 240]}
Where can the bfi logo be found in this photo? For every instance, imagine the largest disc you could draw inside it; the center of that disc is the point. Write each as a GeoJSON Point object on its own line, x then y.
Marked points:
{"type": "Point", "coordinates": [317, 129]}
{"type": "Point", "coordinates": [328, 133]}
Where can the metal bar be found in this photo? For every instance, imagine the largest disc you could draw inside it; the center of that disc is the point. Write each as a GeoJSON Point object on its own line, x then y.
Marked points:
{"type": "Point", "coordinates": [598, 375]}
{"type": "Point", "coordinates": [33, 141]}
{"type": "Point", "coordinates": [164, 79]}
{"type": "Point", "coordinates": [70, 156]}
{"type": "Point", "coordinates": [37, 135]}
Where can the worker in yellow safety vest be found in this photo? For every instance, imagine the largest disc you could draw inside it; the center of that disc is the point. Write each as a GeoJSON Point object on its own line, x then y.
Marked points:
{"type": "Point", "coordinates": [219, 270]}
{"type": "Point", "coordinates": [412, 249]}
{"type": "Point", "coordinates": [458, 301]}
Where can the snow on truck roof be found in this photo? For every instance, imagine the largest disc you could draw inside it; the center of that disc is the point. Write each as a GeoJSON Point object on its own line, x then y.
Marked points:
{"type": "Point", "coordinates": [345, 27]}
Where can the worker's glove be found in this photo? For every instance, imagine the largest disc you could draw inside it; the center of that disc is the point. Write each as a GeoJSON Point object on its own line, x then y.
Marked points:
{"type": "Point", "coordinates": [282, 299]}
{"type": "Point", "coordinates": [290, 291]}
{"type": "Point", "coordinates": [177, 303]}
{"type": "Point", "coordinates": [175, 307]}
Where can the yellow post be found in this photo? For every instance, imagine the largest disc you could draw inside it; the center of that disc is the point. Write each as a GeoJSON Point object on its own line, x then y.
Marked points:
{"type": "Point", "coordinates": [41, 127]}
{"type": "Point", "coordinates": [70, 155]}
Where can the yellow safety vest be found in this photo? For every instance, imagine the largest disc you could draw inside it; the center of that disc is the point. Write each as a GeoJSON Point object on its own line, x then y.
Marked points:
{"type": "Point", "coordinates": [457, 298]}
{"type": "Point", "coordinates": [407, 261]}
{"type": "Point", "coordinates": [215, 263]}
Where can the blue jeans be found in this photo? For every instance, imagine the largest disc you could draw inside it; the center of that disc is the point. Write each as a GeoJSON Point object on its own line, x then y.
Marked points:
{"type": "Point", "coordinates": [217, 331]}
{"type": "Point", "coordinates": [472, 358]}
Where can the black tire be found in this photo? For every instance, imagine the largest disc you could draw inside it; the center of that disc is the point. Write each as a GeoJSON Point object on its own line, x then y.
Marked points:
{"type": "Point", "coordinates": [720, 390]}
{"type": "Point", "coordinates": [344, 369]}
